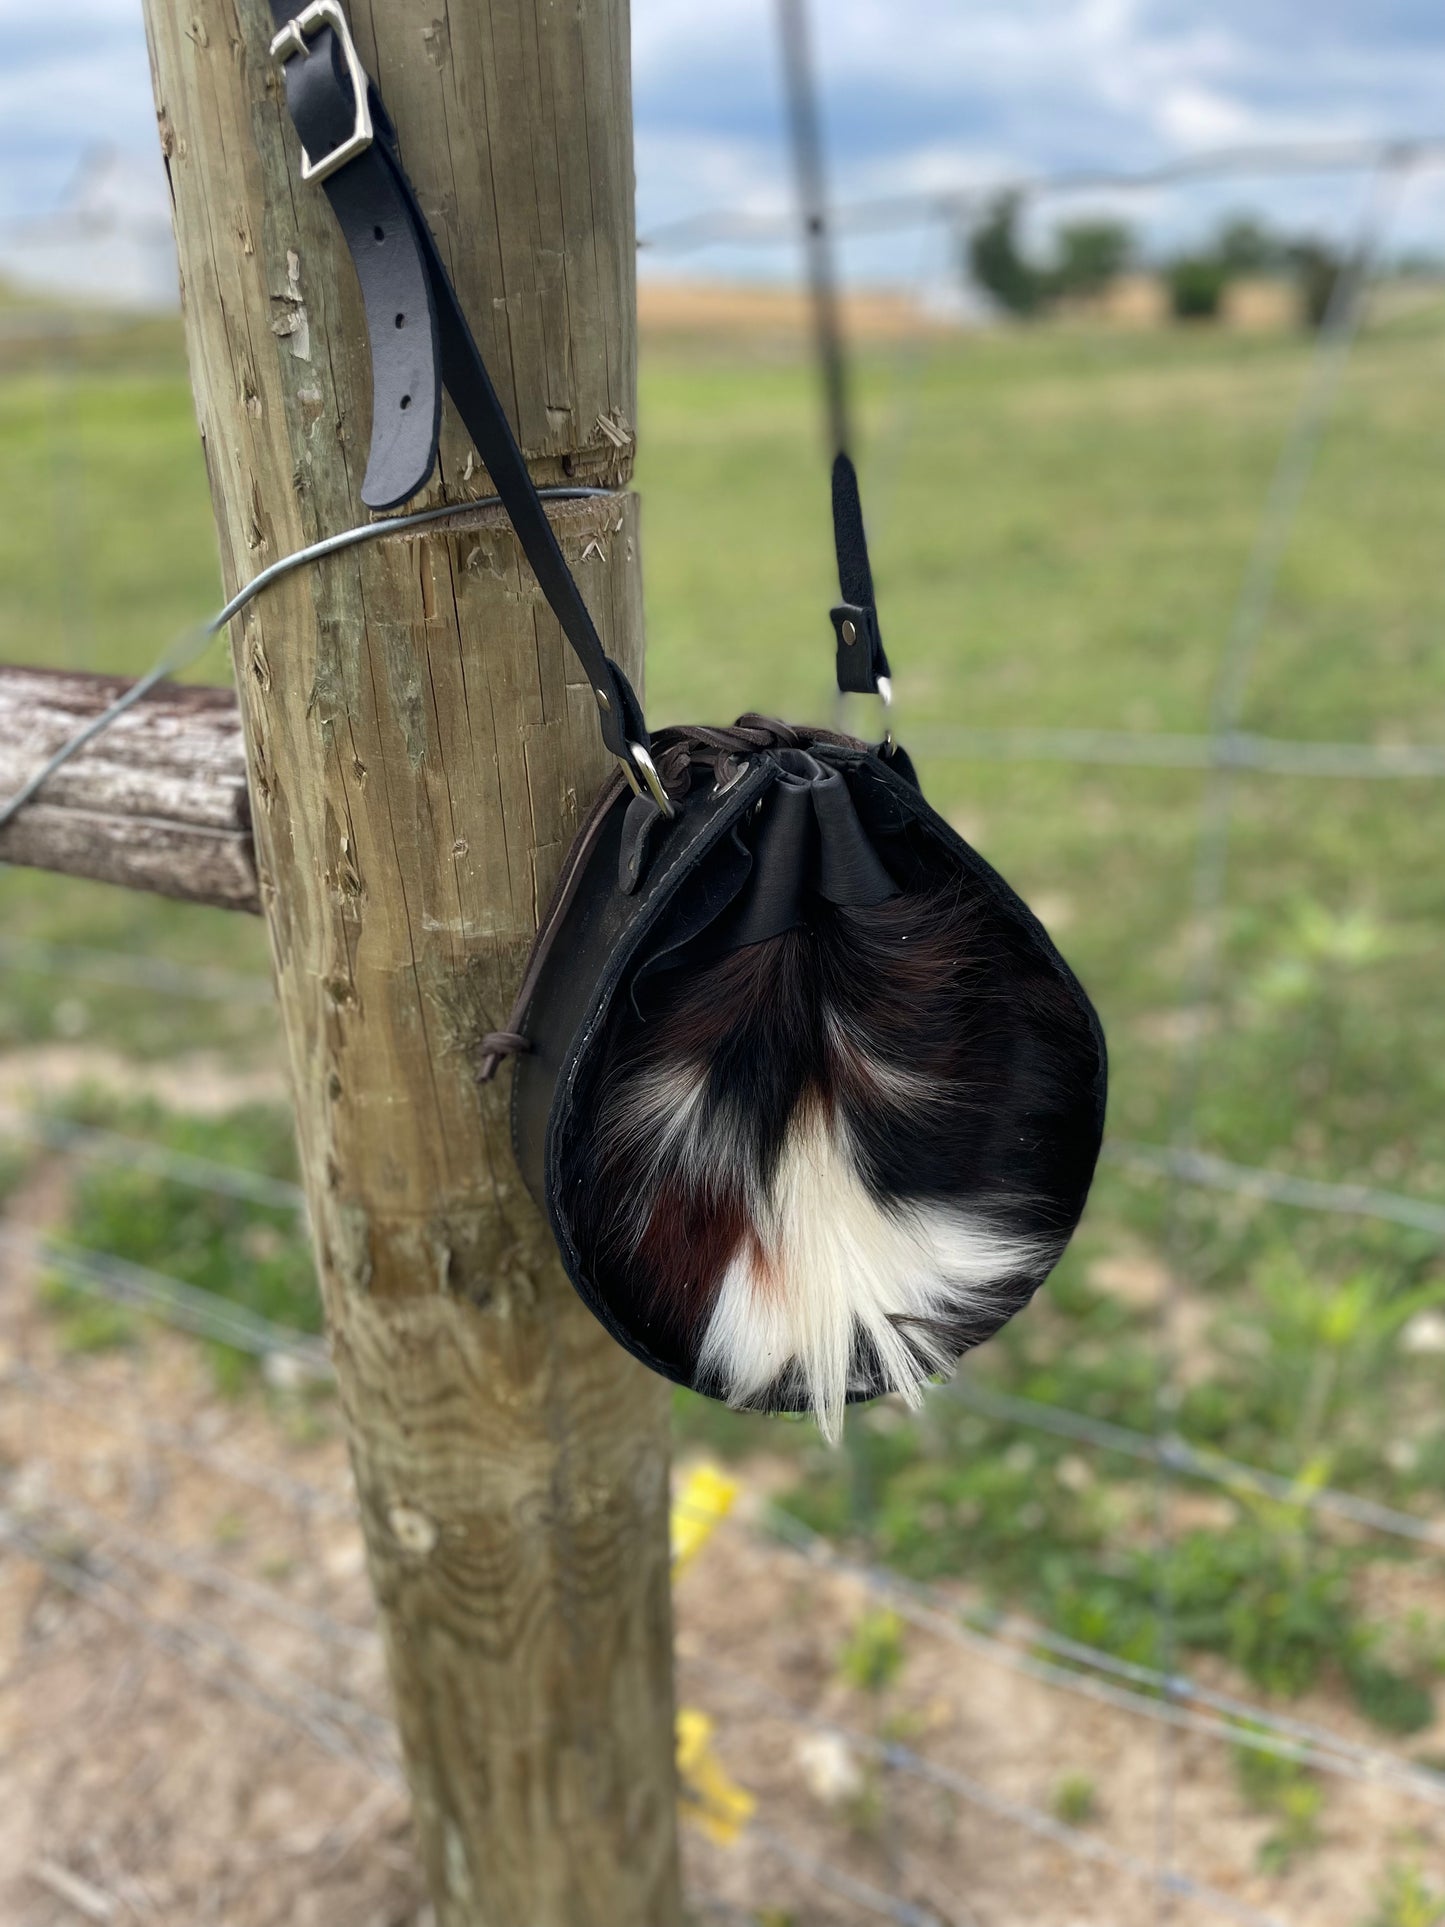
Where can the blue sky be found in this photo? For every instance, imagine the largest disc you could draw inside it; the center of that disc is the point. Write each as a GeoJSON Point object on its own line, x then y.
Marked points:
{"type": "Point", "coordinates": [919, 94]}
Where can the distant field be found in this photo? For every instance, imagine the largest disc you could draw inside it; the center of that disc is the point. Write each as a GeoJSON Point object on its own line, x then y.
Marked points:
{"type": "Point", "coordinates": [733, 311]}
{"type": "Point", "coordinates": [1061, 521]}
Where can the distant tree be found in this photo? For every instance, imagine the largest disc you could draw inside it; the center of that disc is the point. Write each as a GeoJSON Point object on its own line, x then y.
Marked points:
{"type": "Point", "coordinates": [1196, 286]}
{"type": "Point", "coordinates": [1419, 264]}
{"type": "Point", "coordinates": [997, 261]}
{"type": "Point", "coordinates": [1088, 255]}
{"type": "Point", "coordinates": [1318, 269]}
{"type": "Point", "coordinates": [1245, 246]}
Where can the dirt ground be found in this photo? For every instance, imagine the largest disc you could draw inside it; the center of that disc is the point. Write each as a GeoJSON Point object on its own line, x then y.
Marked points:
{"type": "Point", "coordinates": [193, 1708]}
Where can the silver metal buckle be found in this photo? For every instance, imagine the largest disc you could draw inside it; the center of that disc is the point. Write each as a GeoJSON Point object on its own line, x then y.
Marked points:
{"type": "Point", "coordinates": [291, 41]}
{"type": "Point", "coordinates": [636, 759]}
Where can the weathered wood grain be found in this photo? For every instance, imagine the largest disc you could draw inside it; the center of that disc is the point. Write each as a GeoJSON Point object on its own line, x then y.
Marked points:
{"type": "Point", "coordinates": [216, 867]}
{"type": "Point", "coordinates": [158, 802]}
{"type": "Point", "coordinates": [177, 754]}
{"type": "Point", "coordinates": [420, 744]}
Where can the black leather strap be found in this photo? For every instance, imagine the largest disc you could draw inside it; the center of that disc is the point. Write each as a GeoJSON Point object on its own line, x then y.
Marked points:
{"type": "Point", "coordinates": [419, 336]}
{"type": "Point", "coordinates": [862, 665]}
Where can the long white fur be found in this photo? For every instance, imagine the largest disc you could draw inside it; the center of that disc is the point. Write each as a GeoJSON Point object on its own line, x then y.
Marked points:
{"type": "Point", "coordinates": [836, 1263]}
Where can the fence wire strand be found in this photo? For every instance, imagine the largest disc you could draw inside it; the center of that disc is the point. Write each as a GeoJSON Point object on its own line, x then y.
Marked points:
{"type": "Point", "coordinates": [1255, 1728]}
{"type": "Point", "coordinates": [154, 1160]}
{"type": "Point", "coordinates": [1162, 749]}
{"type": "Point", "coordinates": [340, 1726]}
{"type": "Point", "coordinates": [835, 1880]}
{"type": "Point", "coordinates": [907, 1761]}
{"type": "Point", "coordinates": [1193, 1461]}
{"type": "Point", "coordinates": [205, 1314]}
{"type": "Point", "coordinates": [147, 1550]}
{"type": "Point", "coordinates": [960, 206]}
{"type": "Point", "coordinates": [302, 1496]}
{"type": "Point", "coordinates": [190, 647]}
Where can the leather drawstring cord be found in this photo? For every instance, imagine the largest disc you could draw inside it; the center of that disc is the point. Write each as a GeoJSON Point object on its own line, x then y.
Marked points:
{"type": "Point", "coordinates": [679, 750]}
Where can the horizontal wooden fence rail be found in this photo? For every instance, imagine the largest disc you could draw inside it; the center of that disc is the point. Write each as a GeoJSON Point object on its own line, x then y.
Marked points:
{"type": "Point", "coordinates": [157, 802]}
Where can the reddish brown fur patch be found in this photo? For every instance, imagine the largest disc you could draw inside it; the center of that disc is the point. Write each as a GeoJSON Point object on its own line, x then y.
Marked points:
{"type": "Point", "coordinates": [686, 1247]}
{"type": "Point", "coordinates": [765, 1280]}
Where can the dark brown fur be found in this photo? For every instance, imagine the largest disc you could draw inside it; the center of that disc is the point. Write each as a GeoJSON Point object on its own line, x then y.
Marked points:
{"type": "Point", "coordinates": [923, 984]}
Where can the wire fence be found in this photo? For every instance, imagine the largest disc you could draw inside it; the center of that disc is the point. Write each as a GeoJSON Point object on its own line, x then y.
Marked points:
{"type": "Point", "coordinates": [1159, 749]}
{"type": "Point", "coordinates": [153, 1160]}
{"type": "Point", "coordinates": [913, 1765]}
{"type": "Point", "coordinates": [204, 1314]}
{"type": "Point", "coordinates": [960, 206]}
{"type": "Point", "coordinates": [117, 1555]}
{"type": "Point", "coordinates": [1170, 1700]}
{"type": "Point", "coordinates": [1334, 342]}
{"type": "Point", "coordinates": [1017, 1643]}
{"type": "Point", "coordinates": [112, 1575]}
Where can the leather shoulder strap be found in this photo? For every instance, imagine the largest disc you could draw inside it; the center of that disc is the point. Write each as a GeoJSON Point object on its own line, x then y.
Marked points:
{"type": "Point", "coordinates": [862, 665]}
{"type": "Point", "coordinates": [419, 337]}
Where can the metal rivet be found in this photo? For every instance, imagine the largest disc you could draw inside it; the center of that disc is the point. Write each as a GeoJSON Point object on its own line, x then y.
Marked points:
{"type": "Point", "coordinates": [603, 701]}
{"type": "Point", "coordinates": [850, 631]}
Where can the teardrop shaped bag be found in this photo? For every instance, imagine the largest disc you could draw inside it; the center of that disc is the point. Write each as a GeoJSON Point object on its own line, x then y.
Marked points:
{"type": "Point", "coordinates": [811, 1101]}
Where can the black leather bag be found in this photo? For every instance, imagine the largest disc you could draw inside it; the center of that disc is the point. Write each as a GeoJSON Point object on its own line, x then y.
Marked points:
{"type": "Point", "coordinates": [644, 899]}
{"type": "Point", "coordinates": [811, 1101]}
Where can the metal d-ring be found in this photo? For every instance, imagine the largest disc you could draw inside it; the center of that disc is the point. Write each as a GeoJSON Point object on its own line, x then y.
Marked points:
{"type": "Point", "coordinates": [637, 758]}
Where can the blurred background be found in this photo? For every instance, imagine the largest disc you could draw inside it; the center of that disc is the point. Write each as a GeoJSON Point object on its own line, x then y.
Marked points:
{"type": "Point", "coordinates": [1144, 1619]}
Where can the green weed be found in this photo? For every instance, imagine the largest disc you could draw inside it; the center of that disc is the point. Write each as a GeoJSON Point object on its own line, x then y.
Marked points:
{"type": "Point", "coordinates": [872, 1655]}
{"type": "Point", "coordinates": [13, 1167]}
{"type": "Point", "coordinates": [84, 1322]}
{"type": "Point", "coordinates": [1407, 1900]}
{"type": "Point", "coordinates": [254, 1255]}
{"type": "Point", "coordinates": [1075, 1800]}
{"type": "Point", "coordinates": [1283, 1788]}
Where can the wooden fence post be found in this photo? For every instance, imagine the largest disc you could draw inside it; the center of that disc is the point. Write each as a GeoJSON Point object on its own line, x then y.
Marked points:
{"type": "Point", "coordinates": [419, 742]}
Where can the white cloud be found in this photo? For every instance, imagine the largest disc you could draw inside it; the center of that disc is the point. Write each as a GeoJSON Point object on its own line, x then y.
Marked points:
{"type": "Point", "coordinates": [922, 95]}
{"type": "Point", "coordinates": [1192, 116]}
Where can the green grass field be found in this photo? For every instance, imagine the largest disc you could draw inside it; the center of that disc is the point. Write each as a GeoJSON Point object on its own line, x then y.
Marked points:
{"type": "Point", "coordinates": [1061, 521]}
